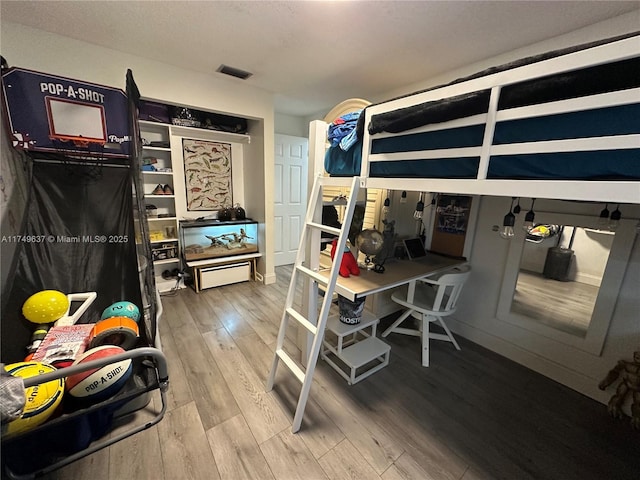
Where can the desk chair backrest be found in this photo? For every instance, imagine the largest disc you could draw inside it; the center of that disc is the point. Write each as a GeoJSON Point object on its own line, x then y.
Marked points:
{"type": "Point", "coordinates": [449, 285]}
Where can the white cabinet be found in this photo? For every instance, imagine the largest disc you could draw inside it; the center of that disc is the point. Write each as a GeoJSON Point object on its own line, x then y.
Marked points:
{"type": "Point", "coordinates": [160, 201]}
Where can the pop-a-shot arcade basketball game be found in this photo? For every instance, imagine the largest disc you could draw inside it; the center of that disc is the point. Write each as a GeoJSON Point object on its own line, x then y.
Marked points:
{"type": "Point", "coordinates": [57, 115]}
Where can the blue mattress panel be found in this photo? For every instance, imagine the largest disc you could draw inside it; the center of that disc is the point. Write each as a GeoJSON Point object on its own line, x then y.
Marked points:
{"type": "Point", "coordinates": [592, 165]}
{"type": "Point", "coordinates": [619, 120]}
{"type": "Point", "coordinates": [469, 136]}
{"type": "Point", "coordinates": [463, 167]}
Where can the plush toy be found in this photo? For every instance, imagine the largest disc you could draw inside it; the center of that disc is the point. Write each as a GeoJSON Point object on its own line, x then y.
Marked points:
{"type": "Point", "coordinates": [348, 266]}
{"type": "Point", "coordinates": [630, 384]}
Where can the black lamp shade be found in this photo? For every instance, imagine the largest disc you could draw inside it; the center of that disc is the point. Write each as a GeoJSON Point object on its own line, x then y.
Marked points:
{"type": "Point", "coordinates": [616, 215]}
{"type": "Point", "coordinates": [509, 220]}
{"type": "Point", "coordinates": [530, 216]}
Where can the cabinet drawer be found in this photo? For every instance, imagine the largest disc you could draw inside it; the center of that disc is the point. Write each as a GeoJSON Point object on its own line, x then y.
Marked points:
{"type": "Point", "coordinates": [224, 275]}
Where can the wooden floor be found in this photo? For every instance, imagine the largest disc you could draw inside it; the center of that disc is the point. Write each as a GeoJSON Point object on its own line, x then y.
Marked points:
{"type": "Point", "coordinates": [471, 415]}
{"type": "Point", "coordinates": [566, 306]}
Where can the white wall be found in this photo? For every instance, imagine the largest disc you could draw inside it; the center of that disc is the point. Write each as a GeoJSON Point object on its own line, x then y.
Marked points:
{"type": "Point", "coordinates": [591, 252]}
{"type": "Point", "coordinates": [477, 320]}
{"type": "Point", "coordinates": [54, 54]}
{"type": "Point", "coordinates": [291, 125]}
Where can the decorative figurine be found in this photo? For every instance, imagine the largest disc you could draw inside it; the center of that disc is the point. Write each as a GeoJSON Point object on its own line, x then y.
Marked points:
{"type": "Point", "coordinates": [238, 212]}
{"type": "Point", "coordinates": [629, 373]}
{"type": "Point", "coordinates": [224, 214]}
{"type": "Point", "coordinates": [388, 242]}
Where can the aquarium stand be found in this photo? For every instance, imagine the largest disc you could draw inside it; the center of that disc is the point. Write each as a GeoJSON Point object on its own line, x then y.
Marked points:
{"type": "Point", "coordinates": [216, 272]}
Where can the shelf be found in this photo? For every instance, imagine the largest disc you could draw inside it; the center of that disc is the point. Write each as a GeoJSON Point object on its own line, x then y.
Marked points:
{"type": "Point", "coordinates": [354, 353]}
{"type": "Point", "coordinates": [190, 131]}
{"type": "Point", "coordinates": [213, 134]}
{"type": "Point", "coordinates": [166, 204]}
{"type": "Point", "coordinates": [155, 127]}
{"type": "Point", "coordinates": [371, 353]}
{"type": "Point", "coordinates": [168, 260]}
{"type": "Point", "coordinates": [364, 351]}
{"type": "Point", "coordinates": [164, 285]}
{"type": "Point", "coordinates": [156, 149]}
{"type": "Point", "coordinates": [219, 260]}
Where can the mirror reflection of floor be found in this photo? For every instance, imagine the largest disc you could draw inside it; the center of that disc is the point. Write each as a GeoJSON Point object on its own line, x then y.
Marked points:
{"type": "Point", "coordinates": [566, 306]}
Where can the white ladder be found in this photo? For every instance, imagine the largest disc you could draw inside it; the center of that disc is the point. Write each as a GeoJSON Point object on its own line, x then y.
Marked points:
{"type": "Point", "coordinates": [310, 242]}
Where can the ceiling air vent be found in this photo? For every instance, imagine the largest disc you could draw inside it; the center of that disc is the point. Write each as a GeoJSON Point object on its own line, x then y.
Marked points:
{"type": "Point", "coordinates": [234, 72]}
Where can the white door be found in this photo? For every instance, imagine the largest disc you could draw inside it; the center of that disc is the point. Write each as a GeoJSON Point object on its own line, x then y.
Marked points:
{"type": "Point", "coordinates": [291, 159]}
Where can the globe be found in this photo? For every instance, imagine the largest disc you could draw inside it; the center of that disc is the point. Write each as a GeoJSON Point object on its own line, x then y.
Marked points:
{"type": "Point", "coordinates": [369, 242]}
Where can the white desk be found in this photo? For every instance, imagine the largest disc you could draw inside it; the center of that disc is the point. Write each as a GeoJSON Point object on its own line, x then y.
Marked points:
{"type": "Point", "coordinates": [397, 272]}
{"type": "Point", "coordinates": [356, 355]}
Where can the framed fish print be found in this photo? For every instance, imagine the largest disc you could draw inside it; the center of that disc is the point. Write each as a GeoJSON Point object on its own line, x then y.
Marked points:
{"type": "Point", "coordinates": [207, 172]}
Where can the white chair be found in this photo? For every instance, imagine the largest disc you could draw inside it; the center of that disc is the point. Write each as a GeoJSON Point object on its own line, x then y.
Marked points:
{"type": "Point", "coordinates": [430, 300]}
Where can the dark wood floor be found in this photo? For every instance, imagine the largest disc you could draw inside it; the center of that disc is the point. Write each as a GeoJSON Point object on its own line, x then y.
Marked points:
{"type": "Point", "coordinates": [471, 415]}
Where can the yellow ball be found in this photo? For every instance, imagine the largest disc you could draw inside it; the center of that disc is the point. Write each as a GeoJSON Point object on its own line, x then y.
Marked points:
{"type": "Point", "coordinates": [42, 399]}
{"type": "Point", "coordinates": [46, 306]}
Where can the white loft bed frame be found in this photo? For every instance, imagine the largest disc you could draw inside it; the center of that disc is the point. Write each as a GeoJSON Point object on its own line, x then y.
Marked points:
{"type": "Point", "coordinates": [619, 191]}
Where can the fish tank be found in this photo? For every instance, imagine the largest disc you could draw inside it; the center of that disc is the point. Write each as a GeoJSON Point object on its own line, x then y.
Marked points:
{"type": "Point", "coordinates": [203, 239]}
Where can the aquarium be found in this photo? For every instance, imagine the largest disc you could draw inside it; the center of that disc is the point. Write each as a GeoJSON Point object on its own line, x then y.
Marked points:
{"type": "Point", "coordinates": [214, 239]}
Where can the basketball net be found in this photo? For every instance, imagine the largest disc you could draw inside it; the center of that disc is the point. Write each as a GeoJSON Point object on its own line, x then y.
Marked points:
{"type": "Point", "coordinates": [78, 151]}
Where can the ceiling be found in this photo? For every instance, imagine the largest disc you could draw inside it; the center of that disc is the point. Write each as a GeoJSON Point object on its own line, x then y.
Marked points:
{"type": "Point", "coordinates": [315, 54]}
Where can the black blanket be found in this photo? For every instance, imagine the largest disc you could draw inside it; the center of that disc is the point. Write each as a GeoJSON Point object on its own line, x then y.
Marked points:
{"type": "Point", "coordinates": [609, 77]}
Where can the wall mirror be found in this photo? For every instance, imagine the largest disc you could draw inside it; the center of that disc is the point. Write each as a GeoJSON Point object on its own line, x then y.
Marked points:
{"type": "Point", "coordinates": [563, 284]}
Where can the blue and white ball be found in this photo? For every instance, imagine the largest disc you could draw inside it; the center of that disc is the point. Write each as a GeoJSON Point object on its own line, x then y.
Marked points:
{"type": "Point", "coordinates": [122, 309]}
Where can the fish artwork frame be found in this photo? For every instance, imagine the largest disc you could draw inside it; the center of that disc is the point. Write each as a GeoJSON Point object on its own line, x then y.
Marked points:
{"type": "Point", "coordinates": [207, 174]}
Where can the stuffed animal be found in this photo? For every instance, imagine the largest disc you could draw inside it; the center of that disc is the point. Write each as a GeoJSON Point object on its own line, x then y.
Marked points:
{"type": "Point", "coordinates": [630, 384]}
{"type": "Point", "coordinates": [348, 266]}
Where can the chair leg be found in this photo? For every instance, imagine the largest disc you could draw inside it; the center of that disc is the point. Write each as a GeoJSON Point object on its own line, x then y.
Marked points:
{"type": "Point", "coordinates": [425, 341]}
{"type": "Point", "coordinates": [400, 319]}
{"type": "Point", "coordinates": [449, 334]}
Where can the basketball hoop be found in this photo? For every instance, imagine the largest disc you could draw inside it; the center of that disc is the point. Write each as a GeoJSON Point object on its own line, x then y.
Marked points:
{"type": "Point", "coordinates": [59, 116]}
{"type": "Point", "coordinates": [80, 152]}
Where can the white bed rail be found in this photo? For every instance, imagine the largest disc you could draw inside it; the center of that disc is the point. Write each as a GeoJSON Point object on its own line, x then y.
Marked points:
{"type": "Point", "coordinates": [589, 190]}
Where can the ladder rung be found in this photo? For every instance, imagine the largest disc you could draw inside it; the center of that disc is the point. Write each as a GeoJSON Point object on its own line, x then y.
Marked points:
{"type": "Point", "coordinates": [324, 228]}
{"type": "Point", "coordinates": [315, 275]}
{"type": "Point", "coordinates": [303, 321]}
{"type": "Point", "coordinates": [293, 366]}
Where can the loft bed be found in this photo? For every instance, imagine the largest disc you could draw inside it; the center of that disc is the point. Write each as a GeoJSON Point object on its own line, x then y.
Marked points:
{"type": "Point", "coordinates": [563, 125]}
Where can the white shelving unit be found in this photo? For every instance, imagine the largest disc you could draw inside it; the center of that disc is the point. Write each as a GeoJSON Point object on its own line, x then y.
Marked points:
{"type": "Point", "coordinates": [354, 353]}
{"type": "Point", "coordinates": [163, 225]}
